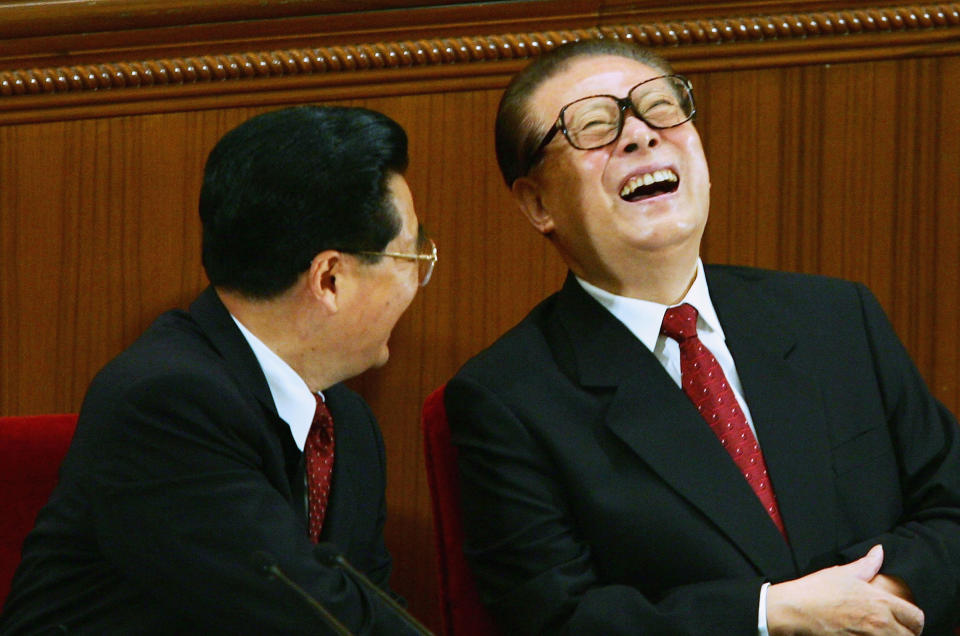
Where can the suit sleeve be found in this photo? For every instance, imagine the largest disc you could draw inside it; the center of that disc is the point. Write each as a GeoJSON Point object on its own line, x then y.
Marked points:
{"type": "Point", "coordinates": [536, 575]}
{"type": "Point", "coordinates": [924, 548]}
{"type": "Point", "coordinates": [372, 557]}
{"type": "Point", "coordinates": [182, 499]}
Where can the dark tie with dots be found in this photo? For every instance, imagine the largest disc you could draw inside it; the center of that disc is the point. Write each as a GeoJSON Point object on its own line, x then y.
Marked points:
{"type": "Point", "coordinates": [318, 455]}
{"type": "Point", "coordinates": [707, 387]}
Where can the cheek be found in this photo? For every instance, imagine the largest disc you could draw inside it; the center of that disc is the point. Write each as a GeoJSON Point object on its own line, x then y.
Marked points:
{"type": "Point", "coordinates": [403, 304]}
{"type": "Point", "coordinates": [593, 170]}
{"type": "Point", "coordinates": [696, 159]}
{"type": "Point", "coordinates": [371, 316]}
{"type": "Point", "coordinates": [390, 307]}
{"type": "Point", "coordinates": [576, 185]}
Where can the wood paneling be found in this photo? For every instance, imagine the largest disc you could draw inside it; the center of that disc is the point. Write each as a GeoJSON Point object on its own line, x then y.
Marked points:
{"type": "Point", "coordinates": [200, 74]}
{"type": "Point", "coordinates": [831, 131]}
{"type": "Point", "coordinates": [845, 170]}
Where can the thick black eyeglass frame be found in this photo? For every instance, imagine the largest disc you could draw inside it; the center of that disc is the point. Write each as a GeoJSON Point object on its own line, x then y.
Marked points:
{"type": "Point", "coordinates": [624, 103]}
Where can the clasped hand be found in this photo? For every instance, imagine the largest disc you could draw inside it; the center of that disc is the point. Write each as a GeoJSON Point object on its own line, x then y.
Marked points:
{"type": "Point", "coordinates": [844, 599]}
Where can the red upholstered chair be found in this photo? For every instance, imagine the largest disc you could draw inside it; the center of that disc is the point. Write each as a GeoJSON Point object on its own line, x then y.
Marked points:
{"type": "Point", "coordinates": [460, 607]}
{"type": "Point", "coordinates": [31, 450]}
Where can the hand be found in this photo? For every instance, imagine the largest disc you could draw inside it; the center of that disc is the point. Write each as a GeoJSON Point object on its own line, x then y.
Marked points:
{"type": "Point", "coordinates": [844, 599]}
{"type": "Point", "coordinates": [894, 585]}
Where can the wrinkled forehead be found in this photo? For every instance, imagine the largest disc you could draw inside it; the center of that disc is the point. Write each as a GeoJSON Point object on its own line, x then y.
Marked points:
{"type": "Point", "coordinates": [584, 76]}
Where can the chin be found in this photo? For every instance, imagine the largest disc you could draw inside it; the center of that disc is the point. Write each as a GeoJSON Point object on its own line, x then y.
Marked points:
{"type": "Point", "coordinates": [381, 359]}
{"type": "Point", "coordinates": [667, 236]}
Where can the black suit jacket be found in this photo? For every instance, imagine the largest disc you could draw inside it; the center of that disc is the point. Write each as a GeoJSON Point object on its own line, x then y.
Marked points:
{"type": "Point", "coordinates": [597, 501]}
{"type": "Point", "coordinates": [179, 471]}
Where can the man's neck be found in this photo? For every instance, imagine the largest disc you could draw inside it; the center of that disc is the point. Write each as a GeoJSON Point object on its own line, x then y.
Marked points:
{"type": "Point", "coordinates": [660, 280]}
{"type": "Point", "coordinates": [285, 326]}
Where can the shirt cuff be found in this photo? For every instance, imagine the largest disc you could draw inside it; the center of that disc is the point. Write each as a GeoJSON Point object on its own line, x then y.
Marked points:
{"type": "Point", "coordinates": [762, 613]}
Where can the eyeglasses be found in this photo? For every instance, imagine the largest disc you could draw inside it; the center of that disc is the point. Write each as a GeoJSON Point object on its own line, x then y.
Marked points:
{"type": "Point", "coordinates": [426, 259]}
{"type": "Point", "coordinates": [596, 121]}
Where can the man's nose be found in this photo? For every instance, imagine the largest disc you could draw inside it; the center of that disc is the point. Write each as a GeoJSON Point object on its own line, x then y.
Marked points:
{"type": "Point", "coordinates": [637, 134]}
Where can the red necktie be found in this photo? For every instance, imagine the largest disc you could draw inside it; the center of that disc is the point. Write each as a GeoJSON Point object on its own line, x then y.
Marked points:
{"type": "Point", "coordinates": [707, 387]}
{"type": "Point", "coordinates": [318, 453]}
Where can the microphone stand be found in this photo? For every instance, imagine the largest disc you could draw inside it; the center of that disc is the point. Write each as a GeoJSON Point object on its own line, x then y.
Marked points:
{"type": "Point", "coordinates": [329, 554]}
{"type": "Point", "coordinates": [269, 567]}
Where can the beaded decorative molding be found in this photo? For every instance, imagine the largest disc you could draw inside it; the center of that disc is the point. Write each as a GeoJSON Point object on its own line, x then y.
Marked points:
{"type": "Point", "coordinates": [465, 50]}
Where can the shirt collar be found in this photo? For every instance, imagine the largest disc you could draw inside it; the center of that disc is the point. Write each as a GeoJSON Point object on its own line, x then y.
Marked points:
{"type": "Point", "coordinates": [643, 317]}
{"type": "Point", "coordinates": [291, 395]}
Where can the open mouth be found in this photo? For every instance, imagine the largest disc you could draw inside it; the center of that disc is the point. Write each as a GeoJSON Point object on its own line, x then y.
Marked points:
{"type": "Point", "coordinates": [644, 186]}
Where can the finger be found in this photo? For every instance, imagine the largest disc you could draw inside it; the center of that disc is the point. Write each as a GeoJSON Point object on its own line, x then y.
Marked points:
{"type": "Point", "coordinates": [867, 566]}
{"type": "Point", "coordinates": [893, 585]}
{"type": "Point", "coordinates": [908, 615]}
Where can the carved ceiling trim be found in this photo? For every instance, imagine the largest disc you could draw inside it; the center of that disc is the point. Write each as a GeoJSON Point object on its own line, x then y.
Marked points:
{"type": "Point", "coordinates": [469, 50]}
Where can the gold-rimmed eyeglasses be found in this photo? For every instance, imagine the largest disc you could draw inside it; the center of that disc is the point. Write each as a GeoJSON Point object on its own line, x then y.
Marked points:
{"type": "Point", "coordinates": [426, 259]}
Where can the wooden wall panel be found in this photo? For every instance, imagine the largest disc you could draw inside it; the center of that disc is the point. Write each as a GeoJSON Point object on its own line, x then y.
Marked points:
{"type": "Point", "coordinates": [943, 372]}
{"type": "Point", "coordinates": [99, 232]}
{"type": "Point", "coordinates": [834, 154]}
{"type": "Point", "coordinates": [845, 170]}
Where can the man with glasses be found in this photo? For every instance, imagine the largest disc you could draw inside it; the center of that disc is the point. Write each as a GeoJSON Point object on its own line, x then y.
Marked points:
{"type": "Point", "coordinates": [664, 447]}
{"type": "Point", "coordinates": [222, 442]}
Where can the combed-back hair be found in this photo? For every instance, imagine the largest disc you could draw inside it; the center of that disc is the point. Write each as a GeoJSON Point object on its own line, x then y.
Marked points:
{"type": "Point", "coordinates": [518, 132]}
{"type": "Point", "coordinates": [286, 185]}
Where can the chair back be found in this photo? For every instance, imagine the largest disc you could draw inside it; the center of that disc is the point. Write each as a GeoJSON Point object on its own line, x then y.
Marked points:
{"type": "Point", "coordinates": [461, 611]}
{"type": "Point", "coordinates": [31, 450]}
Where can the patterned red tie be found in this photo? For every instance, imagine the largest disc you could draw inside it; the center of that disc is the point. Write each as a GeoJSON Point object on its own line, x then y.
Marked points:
{"type": "Point", "coordinates": [318, 454]}
{"type": "Point", "coordinates": [705, 384]}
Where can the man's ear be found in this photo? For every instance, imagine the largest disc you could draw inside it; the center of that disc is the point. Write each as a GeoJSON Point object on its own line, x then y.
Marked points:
{"type": "Point", "coordinates": [322, 278]}
{"type": "Point", "coordinates": [526, 192]}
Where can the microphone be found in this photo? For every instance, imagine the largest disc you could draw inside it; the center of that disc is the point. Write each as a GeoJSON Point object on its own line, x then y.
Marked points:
{"type": "Point", "coordinates": [268, 566]}
{"type": "Point", "coordinates": [329, 554]}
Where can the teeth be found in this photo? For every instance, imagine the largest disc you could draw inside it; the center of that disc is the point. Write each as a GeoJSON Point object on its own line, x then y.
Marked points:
{"type": "Point", "coordinates": [649, 178]}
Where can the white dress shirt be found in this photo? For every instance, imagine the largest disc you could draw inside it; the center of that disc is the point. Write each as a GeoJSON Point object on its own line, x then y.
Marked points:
{"type": "Point", "coordinates": [643, 318]}
{"type": "Point", "coordinates": [291, 395]}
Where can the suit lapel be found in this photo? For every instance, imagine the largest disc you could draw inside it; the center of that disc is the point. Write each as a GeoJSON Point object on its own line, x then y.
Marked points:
{"type": "Point", "coordinates": [338, 522]}
{"type": "Point", "coordinates": [215, 321]}
{"type": "Point", "coordinates": [208, 311]}
{"type": "Point", "coordinates": [787, 410]}
{"type": "Point", "coordinates": [652, 416]}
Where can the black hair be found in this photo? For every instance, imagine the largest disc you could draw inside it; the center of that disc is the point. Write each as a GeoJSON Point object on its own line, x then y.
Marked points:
{"type": "Point", "coordinates": [286, 185]}
{"type": "Point", "coordinates": [517, 132]}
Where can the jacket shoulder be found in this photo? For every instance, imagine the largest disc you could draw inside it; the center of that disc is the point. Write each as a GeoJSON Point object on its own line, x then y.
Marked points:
{"type": "Point", "coordinates": [779, 285]}
{"type": "Point", "coordinates": [173, 345]}
{"type": "Point", "coordinates": [516, 349]}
